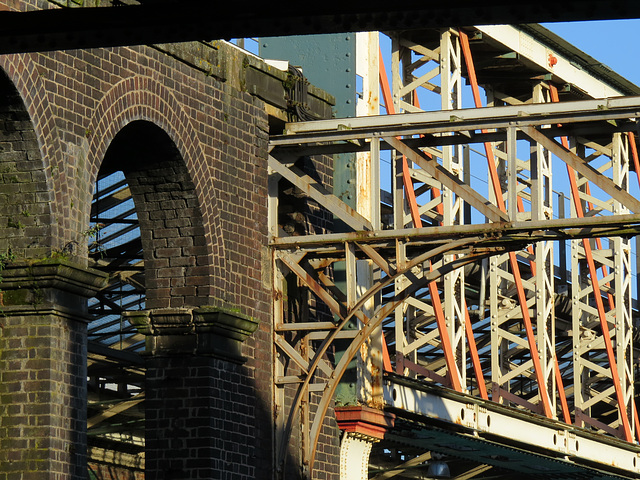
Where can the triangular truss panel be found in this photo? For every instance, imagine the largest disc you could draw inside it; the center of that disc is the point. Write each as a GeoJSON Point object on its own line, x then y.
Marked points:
{"type": "Point", "coordinates": [492, 255]}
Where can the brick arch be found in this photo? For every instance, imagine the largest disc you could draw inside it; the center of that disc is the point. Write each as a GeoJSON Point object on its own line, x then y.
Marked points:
{"type": "Point", "coordinates": [35, 131]}
{"type": "Point", "coordinates": [144, 99]}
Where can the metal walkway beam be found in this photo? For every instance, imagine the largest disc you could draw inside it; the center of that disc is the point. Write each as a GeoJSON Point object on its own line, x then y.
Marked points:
{"type": "Point", "coordinates": [525, 443]}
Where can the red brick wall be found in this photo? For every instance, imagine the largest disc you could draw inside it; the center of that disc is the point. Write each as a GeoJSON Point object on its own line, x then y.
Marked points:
{"type": "Point", "coordinates": [76, 103]}
{"type": "Point", "coordinates": [79, 100]}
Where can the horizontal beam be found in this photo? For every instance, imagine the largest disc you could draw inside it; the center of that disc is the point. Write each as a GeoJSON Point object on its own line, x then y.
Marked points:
{"type": "Point", "coordinates": [290, 146]}
{"type": "Point", "coordinates": [128, 358]}
{"type": "Point", "coordinates": [464, 120]}
{"type": "Point", "coordinates": [115, 410]}
{"type": "Point", "coordinates": [484, 418]}
{"type": "Point", "coordinates": [557, 228]}
{"type": "Point", "coordinates": [162, 21]}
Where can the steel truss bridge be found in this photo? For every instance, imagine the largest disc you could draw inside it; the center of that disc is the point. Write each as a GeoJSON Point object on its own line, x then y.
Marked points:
{"type": "Point", "coordinates": [488, 296]}
{"type": "Point", "coordinates": [487, 299]}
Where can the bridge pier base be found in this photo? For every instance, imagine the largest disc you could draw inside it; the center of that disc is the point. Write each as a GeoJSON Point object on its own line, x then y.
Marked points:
{"type": "Point", "coordinates": [43, 369]}
{"type": "Point", "coordinates": [195, 409]}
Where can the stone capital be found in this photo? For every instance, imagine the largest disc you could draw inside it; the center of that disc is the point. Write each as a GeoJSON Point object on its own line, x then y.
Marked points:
{"type": "Point", "coordinates": [208, 331]}
{"type": "Point", "coordinates": [55, 285]}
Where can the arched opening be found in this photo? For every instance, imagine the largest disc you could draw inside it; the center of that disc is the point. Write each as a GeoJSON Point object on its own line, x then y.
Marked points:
{"type": "Point", "coordinates": [146, 232]}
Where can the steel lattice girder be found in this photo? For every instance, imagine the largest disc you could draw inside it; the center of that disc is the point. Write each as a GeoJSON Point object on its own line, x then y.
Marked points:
{"type": "Point", "coordinates": [462, 426]}
{"type": "Point", "coordinates": [307, 256]}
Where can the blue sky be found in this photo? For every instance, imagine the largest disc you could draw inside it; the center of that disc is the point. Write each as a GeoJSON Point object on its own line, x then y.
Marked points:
{"type": "Point", "coordinates": [613, 43]}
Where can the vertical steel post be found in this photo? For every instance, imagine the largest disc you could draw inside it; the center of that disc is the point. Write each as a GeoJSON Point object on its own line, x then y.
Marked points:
{"type": "Point", "coordinates": [540, 168]}
{"type": "Point", "coordinates": [369, 376]}
{"type": "Point", "coordinates": [453, 211]}
{"type": "Point", "coordinates": [622, 270]}
{"type": "Point", "coordinates": [278, 364]}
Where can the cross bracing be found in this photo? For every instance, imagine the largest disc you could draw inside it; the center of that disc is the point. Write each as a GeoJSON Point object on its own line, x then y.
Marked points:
{"type": "Point", "coordinates": [498, 265]}
{"type": "Point", "coordinates": [115, 368]}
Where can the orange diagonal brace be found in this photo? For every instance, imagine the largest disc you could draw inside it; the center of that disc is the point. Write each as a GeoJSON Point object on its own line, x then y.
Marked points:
{"type": "Point", "coordinates": [604, 268]}
{"type": "Point", "coordinates": [636, 165]}
{"type": "Point", "coordinates": [473, 350]}
{"type": "Point", "coordinates": [593, 273]}
{"type": "Point", "coordinates": [558, 375]}
{"type": "Point", "coordinates": [563, 397]}
{"type": "Point", "coordinates": [406, 177]}
{"type": "Point", "coordinates": [384, 85]}
{"type": "Point", "coordinates": [634, 154]}
{"type": "Point", "coordinates": [411, 194]}
{"type": "Point", "coordinates": [515, 269]}
{"type": "Point", "coordinates": [449, 357]}
{"type": "Point", "coordinates": [601, 312]}
{"type": "Point", "coordinates": [435, 192]}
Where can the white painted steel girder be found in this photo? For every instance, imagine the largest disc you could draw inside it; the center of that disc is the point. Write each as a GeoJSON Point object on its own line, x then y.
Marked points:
{"type": "Point", "coordinates": [549, 59]}
{"type": "Point", "coordinates": [354, 457]}
{"type": "Point", "coordinates": [481, 418]}
{"type": "Point", "coordinates": [468, 118]}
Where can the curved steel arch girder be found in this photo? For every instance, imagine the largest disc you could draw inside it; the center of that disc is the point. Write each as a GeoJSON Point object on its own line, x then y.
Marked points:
{"type": "Point", "coordinates": [370, 324]}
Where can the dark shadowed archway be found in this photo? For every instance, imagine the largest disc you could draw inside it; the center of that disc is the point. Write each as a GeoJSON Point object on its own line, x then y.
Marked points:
{"type": "Point", "coordinates": [146, 233]}
{"type": "Point", "coordinates": [176, 260]}
{"type": "Point", "coordinates": [25, 200]}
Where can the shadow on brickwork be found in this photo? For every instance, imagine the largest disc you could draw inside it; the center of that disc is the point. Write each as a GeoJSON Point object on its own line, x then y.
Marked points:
{"type": "Point", "coordinates": [205, 416]}
{"type": "Point", "coordinates": [300, 215]}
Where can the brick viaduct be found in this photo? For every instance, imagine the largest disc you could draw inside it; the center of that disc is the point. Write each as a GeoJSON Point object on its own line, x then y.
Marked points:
{"type": "Point", "coordinates": [192, 143]}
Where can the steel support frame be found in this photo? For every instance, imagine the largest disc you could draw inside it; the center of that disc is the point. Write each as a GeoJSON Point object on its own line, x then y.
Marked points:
{"type": "Point", "coordinates": [513, 358]}
{"type": "Point", "coordinates": [419, 323]}
{"type": "Point", "coordinates": [602, 330]}
{"type": "Point", "coordinates": [401, 253]}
